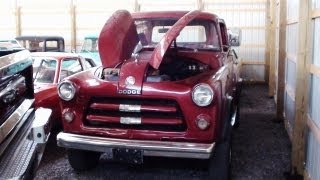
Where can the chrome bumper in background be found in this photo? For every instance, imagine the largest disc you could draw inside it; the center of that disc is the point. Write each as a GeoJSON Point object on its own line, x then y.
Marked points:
{"type": "Point", "coordinates": [149, 148]}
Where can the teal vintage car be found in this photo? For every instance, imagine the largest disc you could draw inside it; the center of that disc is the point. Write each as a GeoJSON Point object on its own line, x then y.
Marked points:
{"type": "Point", "coordinates": [90, 49]}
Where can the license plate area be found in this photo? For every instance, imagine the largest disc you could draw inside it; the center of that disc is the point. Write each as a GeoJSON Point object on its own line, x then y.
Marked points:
{"type": "Point", "coordinates": [133, 156]}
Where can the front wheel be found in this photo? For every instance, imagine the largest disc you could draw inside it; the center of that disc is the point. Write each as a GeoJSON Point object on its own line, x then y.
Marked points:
{"type": "Point", "coordinates": [81, 160]}
{"type": "Point", "coordinates": [220, 163]}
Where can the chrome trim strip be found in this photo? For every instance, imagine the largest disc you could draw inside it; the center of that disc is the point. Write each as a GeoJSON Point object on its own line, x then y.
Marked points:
{"type": "Point", "coordinates": [129, 108]}
{"type": "Point", "coordinates": [14, 118]}
{"type": "Point", "coordinates": [130, 120]}
{"type": "Point", "coordinates": [150, 148]}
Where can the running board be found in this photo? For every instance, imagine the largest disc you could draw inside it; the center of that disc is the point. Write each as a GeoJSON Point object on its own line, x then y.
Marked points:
{"type": "Point", "coordinates": [15, 159]}
{"type": "Point", "coordinates": [23, 153]}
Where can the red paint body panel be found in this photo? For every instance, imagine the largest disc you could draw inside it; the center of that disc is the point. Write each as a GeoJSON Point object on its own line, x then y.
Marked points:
{"type": "Point", "coordinates": [166, 108]}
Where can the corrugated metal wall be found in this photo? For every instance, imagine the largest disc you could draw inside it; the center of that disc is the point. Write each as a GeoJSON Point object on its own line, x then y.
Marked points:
{"type": "Point", "coordinates": [7, 20]}
{"type": "Point", "coordinates": [167, 5]}
{"type": "Point", "coordinates": [90, 16]}
{"type": "Point", "coordinates": [291, 58]}
{"type": "Point", "coordinates": [313, 143]}
{"type": "Point", "coordinates": [49, 21]}
{"type": "Point", "coordinates": [250, 16]}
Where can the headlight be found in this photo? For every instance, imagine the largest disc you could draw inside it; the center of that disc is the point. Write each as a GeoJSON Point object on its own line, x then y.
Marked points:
{"type": "Point", "coordinates": [66, 90]}
{"type": "Point", "coordinates": [202, 95]}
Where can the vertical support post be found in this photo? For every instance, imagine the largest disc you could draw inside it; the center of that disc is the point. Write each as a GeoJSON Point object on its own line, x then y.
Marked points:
{"type": "Point", "coordinates": [136, 6]}
{"type": "Point", "coordinates": [267, 52]}
{"type": "Point", "coordinates": [18, 18]}
{"type": "Point", "coordinates": [282, 59]}
{"type": "Point", "coordinates": [73, 26]}
{"type": "Point", "coordinates": [272, 47]}
{"type": "Point", "coordinates": [199, 5]}
{"type": "Point", "coordinates": [301, 99]}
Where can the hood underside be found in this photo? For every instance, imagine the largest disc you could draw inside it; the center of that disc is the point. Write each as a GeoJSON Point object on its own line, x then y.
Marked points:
{"type": "Point", "coordinates": [119, 37]}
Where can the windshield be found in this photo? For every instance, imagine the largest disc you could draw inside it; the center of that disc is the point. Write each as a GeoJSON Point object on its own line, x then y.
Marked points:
{"type": "Point", "coordinates": [90, 45]}
{"type": "Point", "coordinates": [44, 69]}
{"type": "Point", "coordinates": [198, 34]}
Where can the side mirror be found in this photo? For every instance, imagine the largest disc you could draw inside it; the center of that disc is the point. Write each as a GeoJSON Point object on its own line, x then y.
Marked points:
{"type": "Point", "coordinates": [234, 36]}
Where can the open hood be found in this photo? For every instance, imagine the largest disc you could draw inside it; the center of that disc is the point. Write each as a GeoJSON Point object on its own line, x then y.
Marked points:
{"type": "Point", "coordinates": [117, 39]}
{"type": "Point", "coordinates": [167, 39]}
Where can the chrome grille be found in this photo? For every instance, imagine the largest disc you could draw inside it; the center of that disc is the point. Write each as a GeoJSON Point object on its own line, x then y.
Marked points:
{"type": "Point", "coordinates": [134, 113]}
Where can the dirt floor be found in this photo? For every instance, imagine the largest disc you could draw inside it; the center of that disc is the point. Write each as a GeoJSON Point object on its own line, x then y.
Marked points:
{"type": "Point", "coordinates": [261, 150]}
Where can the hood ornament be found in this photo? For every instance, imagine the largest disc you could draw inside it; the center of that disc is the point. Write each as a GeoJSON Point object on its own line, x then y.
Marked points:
{"type": "Point", "coordinates": [130, 80]}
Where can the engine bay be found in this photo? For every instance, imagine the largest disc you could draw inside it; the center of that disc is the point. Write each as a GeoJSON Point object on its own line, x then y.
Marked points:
{"type": "Point", "coordinates": [172, 68]}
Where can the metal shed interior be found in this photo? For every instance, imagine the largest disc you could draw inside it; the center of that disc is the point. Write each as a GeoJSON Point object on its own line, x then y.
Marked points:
{"type": "Point", "coordinates": [279, 47]}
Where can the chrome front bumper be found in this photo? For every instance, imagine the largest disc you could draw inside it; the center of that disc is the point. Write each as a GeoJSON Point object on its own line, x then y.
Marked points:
{"type": "Point", "coordinates": [149, 148]}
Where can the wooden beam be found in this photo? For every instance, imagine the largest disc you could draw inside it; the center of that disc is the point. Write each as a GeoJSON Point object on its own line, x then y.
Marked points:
{"type": "Point", "coordinates": [292, 21]}
{"type": "Point", "coordinates": [290, 92]}
{"type": "Point", "coordinates": [267, 40]}
{"type": "Point", "coordinates": [44, 11]}
{"type": "Point", "coordinates": [315, 13]}
{"type": "Point", "coordinates": [46, 28]}
{"type": "Point", "coordinates": [232, 1]}
{"type": "Point", "coordinates": [136, 6]}
{"type": "Point", "coordinates": [291, 57]}
{"type": "Point", "coordinates": [252, 46]}
{"type": "Point", "coordinates": [247, 62]}
{"type": "Point", "coordinates": [301, 101]}
{"type": "Point", "coordinates": [18, 18]}
{"type": "Point", "coordinates": [249, 27]}
{"type": "Point", "coordinates": [200, 5]}
{"type": "Point", "coordinates": [315, 70]}
{"type": "Point", "coordinates": [238, 10]}
{"type": "Point", "coordinates": [314, 128]}
{"type": "Point", "coordinates": [73, 25]}
{"type": "Point", "coordinates": [272, 47]}
{"type": "Point", "coordinates": [281, 59]}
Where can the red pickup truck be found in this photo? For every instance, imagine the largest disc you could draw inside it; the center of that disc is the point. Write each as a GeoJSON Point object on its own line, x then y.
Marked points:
{"type": "Point", "coordinates": [168, 86]}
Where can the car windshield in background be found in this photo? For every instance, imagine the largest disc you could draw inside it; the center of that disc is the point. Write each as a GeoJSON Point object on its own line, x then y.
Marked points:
{"type": "Point", "coordinates": [44, 69]}
{"type": "Point", "coordinates": [199, 34]}
{"type": "Point", "coordinates": [90, 45]}
{"type": "Point", "coordinates": [69, 67]}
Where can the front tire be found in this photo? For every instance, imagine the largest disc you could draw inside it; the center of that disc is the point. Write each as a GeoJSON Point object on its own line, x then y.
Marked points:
{"type": "Point", "coordinates": [220, 162]}
{"type": "Point", "coordinates": [81, 160]}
